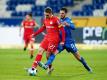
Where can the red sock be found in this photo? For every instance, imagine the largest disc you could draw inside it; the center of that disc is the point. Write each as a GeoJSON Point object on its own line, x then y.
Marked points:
{"type": "Point", "coordinates": [37, 59]}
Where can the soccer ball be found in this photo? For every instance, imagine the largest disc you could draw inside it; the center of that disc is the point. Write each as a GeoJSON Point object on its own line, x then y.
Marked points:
{"type": "Point", "coordinates": [32, 72]}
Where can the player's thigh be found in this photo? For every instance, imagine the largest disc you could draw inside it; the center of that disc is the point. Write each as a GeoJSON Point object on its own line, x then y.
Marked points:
{"type": "Point", "coordinates": [31, 41]}
{"type": "Point", "coordinates": [26, 41]}
{"type": "Point", "coordinates": [47, 54]}
{"type": "Point", "coordinates": [41, 50]}
{"type": "Point", "coordinates": [71, 48]}
{"type": "Point", "coordinates": [52, 47]}
{"type": "Point", "coordinates": [44, 44]}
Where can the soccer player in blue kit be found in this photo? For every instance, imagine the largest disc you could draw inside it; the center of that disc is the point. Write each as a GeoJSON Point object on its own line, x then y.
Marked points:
{"type": "Point", "coordinates": [69, 44]}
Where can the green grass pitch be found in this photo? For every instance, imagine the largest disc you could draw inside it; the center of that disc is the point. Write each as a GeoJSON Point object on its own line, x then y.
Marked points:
{"type": "Point", "coordinates": [66, 67]}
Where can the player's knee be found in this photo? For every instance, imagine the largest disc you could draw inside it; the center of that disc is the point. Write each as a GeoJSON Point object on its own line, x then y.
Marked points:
{"type": "Point", "coordinates": [31, 42]}
{"type": "Point", "coordinates": [41, 50]}
{"type": "Point", "coordinates": [47, 55]}
{"type": "Point", "coordinates": [77, 56]}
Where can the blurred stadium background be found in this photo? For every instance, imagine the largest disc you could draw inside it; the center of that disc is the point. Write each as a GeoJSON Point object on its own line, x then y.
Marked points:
{"type": "Point", "coordinates": [90, 19]}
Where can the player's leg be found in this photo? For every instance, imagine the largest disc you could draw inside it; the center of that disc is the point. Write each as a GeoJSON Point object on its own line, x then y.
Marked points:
{"type": "Point", "coordinates": [72, 48]}
{"type": "Point", "coordinates": [48, 64]}
{"type": "Point", "coordinates": [50, 67]}
{"type": "Point", "coordinates": [31, 51]}
{"type": "Point", "coordinates": [51, 57]}
{"type": "Point", "coordinates": [38, 58]}
{"type": "Point", "coordinates": [43, 47]}
{"type": "Point", "coordinates": [26, 42]}
{"type": "Point", "coordinates": [47, 57]}
{"type": "Point", "coordinates": [82, 60]}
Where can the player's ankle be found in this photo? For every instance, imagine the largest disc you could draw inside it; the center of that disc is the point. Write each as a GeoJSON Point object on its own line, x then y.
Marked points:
{"type": "Point", "coordinates": [33, 68]}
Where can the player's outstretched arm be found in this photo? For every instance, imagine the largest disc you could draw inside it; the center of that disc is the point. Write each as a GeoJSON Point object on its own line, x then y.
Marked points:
{"type": "Point", "coordinates": [39, 31]}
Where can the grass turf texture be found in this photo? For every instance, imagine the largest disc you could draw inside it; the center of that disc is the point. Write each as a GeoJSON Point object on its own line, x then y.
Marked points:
{"type": "Point", "coordinates": [13, 62]}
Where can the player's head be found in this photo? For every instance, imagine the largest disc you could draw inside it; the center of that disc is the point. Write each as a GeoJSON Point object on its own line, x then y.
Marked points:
{"type": "Point", "coordinates": [63, 12]}
{"type": "Point", "coordinates": [48, 12]}
{"type": "Point", "coordinates": [29, 16]}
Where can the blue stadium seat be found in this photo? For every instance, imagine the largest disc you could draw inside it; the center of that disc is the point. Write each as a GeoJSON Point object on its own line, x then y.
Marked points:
{"type": "Point", "coordinates": [77, 13]}
{"type": "Point", "coordinates": [14, 14]}
{"type": "Point", "coordinates": [82, 13]}
{"type": "Point", "coordinates": [38, 10]}
{"type": "Point", "coordinates": [56, 5]}
{"type": "Point", "coordinates": [69, 3]}
{"type": "Point", "coordinates": [10, 3]}
{"type": "Point", "coordinates": [98, 6]}
{"type": "Point", "coordinates": [105, 13]}
{"type": "Point", "coordinates": [88, 8]}
{"type": "Point", "coordinates": [53, 3]}
{"type": "Point", "coordinates": [94, 2]}
{"type": "Point", "coordinates": [11, 8]}
{"type": "Point", "coordinates": [87, 13]}
{"type": "Point", "coordinates": [55, 9]}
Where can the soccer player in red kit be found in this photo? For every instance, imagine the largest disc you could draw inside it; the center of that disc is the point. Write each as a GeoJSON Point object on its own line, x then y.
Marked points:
{"type": "Point", "coordinates": [51, 40]}
{"type": "Point", "coordinates": [28, 24]}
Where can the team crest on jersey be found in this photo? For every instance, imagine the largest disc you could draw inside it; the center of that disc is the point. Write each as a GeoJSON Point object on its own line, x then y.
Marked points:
{"type": "Point", "coordinates": [51, 22]}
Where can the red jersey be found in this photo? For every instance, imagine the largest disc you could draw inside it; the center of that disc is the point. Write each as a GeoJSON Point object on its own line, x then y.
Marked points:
{"type": "Point", "coordinates": [28, 27]}
{"type": "Point", "coordinates": [52, 26]}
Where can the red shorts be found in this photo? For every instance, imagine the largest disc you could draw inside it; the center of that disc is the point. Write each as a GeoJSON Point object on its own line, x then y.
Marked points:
{"type": "Point", "coordinates": [27, 39]}
{"type": "Point", "coordinates": [49, 46]}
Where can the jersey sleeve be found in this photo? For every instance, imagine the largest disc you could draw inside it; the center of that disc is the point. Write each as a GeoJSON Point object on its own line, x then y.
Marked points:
{"type": "Point", "coordinates": [72, 26]}
{"type": "Point", "coordinates": [41, 29]}
{"type": "Point", "coordinates": [63, 34]}
{"type": "Point", "coordinates": [61, 28]}
{"type": "Point", "coordinates": [58, 23]}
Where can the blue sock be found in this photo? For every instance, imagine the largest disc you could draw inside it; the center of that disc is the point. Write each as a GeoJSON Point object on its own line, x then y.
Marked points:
{"type": "Point", "coordinates": [84, 63]}
{"type": "Point", "coordinates": [50, 59]}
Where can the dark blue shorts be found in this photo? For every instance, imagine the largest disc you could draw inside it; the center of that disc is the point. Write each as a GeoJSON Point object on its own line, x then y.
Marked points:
{"type": "Point", "coordinates": [70, 47]}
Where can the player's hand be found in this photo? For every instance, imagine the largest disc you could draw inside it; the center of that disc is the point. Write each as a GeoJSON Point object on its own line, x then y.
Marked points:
{"type": "Point", "coordinates": [65, 23]}
{"type": "Point", "coordinates": [62, 43]}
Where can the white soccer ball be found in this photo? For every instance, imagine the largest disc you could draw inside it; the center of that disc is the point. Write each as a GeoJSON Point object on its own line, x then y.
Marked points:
{"type": "Point", "coordinates": [32, 72]}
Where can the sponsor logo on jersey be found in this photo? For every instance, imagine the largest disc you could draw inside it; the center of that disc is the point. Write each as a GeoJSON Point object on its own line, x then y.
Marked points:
{"type": "Point", "coordinates": [49, 26]}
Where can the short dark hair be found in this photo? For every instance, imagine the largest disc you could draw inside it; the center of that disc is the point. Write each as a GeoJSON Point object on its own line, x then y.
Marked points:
{"type": "Point", "coordinates": [30, 14]}
{"type": "Point", "coordinates": [48, 10]}
{"type": "Point", "coordinates": [64, 9]}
